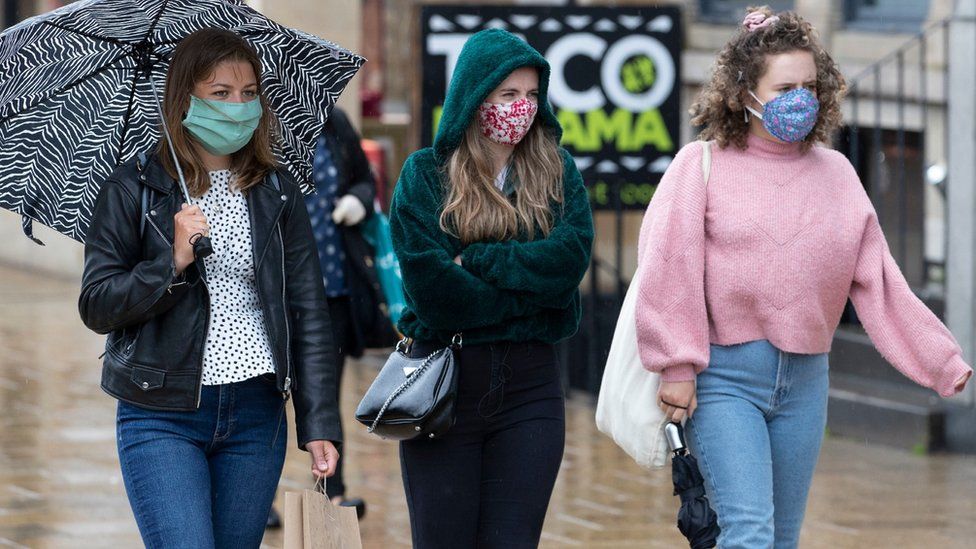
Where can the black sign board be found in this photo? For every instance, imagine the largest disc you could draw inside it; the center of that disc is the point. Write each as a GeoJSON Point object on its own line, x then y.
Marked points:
{"type": "Point", "coordinates": [615, 84]}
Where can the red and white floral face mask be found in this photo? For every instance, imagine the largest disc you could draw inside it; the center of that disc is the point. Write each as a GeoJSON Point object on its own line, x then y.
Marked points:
{"type": "Point", "coordinates": [507, 123]}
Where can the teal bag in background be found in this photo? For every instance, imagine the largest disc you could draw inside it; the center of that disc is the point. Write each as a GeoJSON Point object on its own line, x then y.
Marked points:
{"type": "Point", "coordinates": [376, 231]}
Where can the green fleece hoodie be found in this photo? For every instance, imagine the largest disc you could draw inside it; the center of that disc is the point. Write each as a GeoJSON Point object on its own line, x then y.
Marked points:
{"type": "Point", "coordinates": [514, 290]}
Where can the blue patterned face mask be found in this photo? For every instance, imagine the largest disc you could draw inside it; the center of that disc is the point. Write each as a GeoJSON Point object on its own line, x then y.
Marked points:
{"type": "Point", "coordinates": [791, 116]}
{"type": "Point", "coordinates": [222, 127]}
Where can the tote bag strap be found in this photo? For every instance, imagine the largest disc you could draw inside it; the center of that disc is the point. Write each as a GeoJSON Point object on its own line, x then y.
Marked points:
{"type": "Point", "coordinates": [706, 160]}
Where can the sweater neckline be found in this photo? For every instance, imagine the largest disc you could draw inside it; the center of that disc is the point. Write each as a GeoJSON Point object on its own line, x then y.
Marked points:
{"type": "Point", "coordinates": [765, 148]}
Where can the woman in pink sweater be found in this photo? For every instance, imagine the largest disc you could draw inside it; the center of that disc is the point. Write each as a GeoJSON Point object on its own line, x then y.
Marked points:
{"type": "Point", "coordinates": [743, 282]}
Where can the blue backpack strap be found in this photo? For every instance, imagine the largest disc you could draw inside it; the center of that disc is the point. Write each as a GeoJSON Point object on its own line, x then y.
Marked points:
{"type": "Point", "coordinates": [274, 180]}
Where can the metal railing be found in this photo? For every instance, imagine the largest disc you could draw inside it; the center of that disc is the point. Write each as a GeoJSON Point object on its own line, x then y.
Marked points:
{"type": "Point", "coordinates": [898, 153]}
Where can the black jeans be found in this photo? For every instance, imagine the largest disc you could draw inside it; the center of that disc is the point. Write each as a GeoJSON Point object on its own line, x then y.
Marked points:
{"type": "Point", "coordinates": [487, 482]}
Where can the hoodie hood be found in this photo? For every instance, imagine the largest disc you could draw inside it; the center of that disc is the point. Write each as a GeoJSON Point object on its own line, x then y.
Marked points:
{"type": "Point", "coordinates": [486, 60]}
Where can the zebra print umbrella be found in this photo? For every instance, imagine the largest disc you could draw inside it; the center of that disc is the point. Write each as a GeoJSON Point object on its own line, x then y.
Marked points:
{"type": "Point", "coordinates": [76, 97]}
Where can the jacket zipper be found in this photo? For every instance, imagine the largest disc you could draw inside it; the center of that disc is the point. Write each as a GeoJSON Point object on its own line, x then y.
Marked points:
{"type": "Point", "coordinates": [286, 388]}
{"type": "Point", "coordinates": [206, 333]}
{"type": "Point", "coordinates": [284, 305]}
{"type": "Point", "coordinates": [203, 278]}
{"type": "Point", "coordinates": [158, 230]}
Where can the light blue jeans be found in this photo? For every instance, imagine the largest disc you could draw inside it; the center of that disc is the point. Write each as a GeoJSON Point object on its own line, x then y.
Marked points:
{"type": "Point", "coordinates": [757, 433]}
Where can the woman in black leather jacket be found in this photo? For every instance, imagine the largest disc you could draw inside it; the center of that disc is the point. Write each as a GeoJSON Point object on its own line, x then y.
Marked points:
{"type": "Point", "coordinates": [203, 353]}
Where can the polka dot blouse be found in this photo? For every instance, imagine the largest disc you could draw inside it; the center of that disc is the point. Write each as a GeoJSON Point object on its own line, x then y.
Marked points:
{"type": "Point", "coordinates": [237, 346]}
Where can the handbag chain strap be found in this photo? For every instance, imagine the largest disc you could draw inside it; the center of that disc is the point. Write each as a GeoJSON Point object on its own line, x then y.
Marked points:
{"type": "Point", "coordinates": [404, 386]}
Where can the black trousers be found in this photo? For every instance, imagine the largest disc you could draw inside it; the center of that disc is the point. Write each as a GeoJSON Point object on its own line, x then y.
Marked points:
{"type": "Point", "coordinates": [487, 482]}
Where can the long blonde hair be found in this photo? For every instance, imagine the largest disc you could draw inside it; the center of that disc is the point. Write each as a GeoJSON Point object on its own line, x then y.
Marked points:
{"type": "Point", "coordinates": [475, 210]}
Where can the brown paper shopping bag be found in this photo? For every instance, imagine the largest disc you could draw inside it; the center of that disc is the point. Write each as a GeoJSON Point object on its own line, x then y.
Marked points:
{"type": "Point", "coordinates": [313, 522]}
{"type": "Point", "coordinates": [293, 525]}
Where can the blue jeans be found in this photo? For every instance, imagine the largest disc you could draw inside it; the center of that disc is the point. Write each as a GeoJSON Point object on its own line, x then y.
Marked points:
{"type": "Point", "coordinates": [205, 479]}
{"type": "Point", "coordinates": [757, 433]}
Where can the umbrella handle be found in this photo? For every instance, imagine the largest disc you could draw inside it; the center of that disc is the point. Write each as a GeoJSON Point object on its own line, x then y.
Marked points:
{"type": "Point", "coordinates": [202, 247]}
{"type": "Point", "coordinates": [672, 431]}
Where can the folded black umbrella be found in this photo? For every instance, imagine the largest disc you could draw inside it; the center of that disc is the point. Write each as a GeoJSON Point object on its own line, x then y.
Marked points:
{"type": "Point", "coordinates": [696, 519]}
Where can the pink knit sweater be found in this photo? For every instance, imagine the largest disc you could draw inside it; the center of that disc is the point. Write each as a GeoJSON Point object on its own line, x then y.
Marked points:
{"type": "Point", "coordinates": [773, 252]}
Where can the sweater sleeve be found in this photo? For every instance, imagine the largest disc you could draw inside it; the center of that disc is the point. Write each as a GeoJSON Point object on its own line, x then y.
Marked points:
{"type": "Point", "coordinates": [549, 268]}
{"type": "Point", "coordinates": [903, 329]}
{"type": "Point", "coordinates": [442, 294]}
{"type": "Point", "coordinates": [672, 320]}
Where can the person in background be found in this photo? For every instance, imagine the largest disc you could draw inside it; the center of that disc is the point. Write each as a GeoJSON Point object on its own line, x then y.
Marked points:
{"type": "Point", "coordinates": [342, 202]}
{"type": "Point", "coordinates": [743, 281]}
{"type": "Point", "coordinates": [493, 230]}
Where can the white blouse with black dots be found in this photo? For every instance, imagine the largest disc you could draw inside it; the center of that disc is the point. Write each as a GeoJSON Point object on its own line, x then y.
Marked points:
{"type": "Point", "coordinates": [237, 346]}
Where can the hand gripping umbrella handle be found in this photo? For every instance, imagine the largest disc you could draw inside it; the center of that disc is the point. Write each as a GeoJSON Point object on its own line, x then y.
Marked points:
{"type": "Point", "coordinates": [202, 247]}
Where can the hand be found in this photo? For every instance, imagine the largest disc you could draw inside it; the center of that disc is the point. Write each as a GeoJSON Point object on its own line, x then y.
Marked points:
{"type": "Point", "coordinates": [961, 382]}
{"type": "Point", "coordinates": [187, 223]}
{"type": "Point", "coordinates": [324, 456]}
{"type": "Point", "coordinates": [458, 260]}
{"type": "Point", "coordinates": [677, 399]}
{"type": "Point", "coordinates": [348, 211]}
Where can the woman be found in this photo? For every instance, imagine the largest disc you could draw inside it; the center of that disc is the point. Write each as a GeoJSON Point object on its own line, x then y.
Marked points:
{"type": "Point", "coordinates": [342, 203]}
{"type": "Point", "coordinates": [203, 353]}
{"type": "Point", "coordinates": [744, 282]}
{"type": "Point", "coordinates": [492, 228]}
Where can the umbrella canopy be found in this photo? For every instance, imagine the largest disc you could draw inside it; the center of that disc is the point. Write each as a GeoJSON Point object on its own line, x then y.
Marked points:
{"type": "Point", "coordinates": [76, 95]}
{"type": "Point", "coordinates": [696, 519]}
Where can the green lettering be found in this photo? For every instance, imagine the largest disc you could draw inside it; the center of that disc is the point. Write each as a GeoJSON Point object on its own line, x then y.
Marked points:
{"type": "Point", "coordinates": [438, 110]}
{"type": "Point", "coordinates": [598, 193]}
{"type": "Point", "coordinates": [636, 194]}
{"type": "Point", "coordinates": [608, 129]}
{"type": "Point", "coordinates": [574, 133]}
{"type": "Point", "coordinates": [649, 129]}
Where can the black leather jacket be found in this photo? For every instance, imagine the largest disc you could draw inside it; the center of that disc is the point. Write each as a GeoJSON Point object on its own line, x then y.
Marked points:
{"type": "Point", "coordinates": [157, 322]}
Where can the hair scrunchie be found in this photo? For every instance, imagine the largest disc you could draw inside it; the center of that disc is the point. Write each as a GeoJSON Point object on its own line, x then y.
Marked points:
{"type": "Point", "coordinates": [757, 20]}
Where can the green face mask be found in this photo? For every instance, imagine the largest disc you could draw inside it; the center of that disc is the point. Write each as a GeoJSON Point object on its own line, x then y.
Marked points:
{"type": "Point", "coordinates": [222, 127]}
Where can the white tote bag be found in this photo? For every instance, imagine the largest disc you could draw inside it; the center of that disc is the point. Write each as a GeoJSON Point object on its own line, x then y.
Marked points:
{"type": "Point", "coordinates": [626, 409]}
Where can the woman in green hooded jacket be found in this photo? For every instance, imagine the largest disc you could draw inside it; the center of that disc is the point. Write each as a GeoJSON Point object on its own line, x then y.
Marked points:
{"type": "Point", "coordinates": [493, 230]}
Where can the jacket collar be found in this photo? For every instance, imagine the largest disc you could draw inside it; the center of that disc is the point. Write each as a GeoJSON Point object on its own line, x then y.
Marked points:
{"type": "Point", "coordinates": [155, 176]}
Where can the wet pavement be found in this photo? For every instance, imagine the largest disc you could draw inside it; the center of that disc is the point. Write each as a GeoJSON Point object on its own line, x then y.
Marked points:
{"type": "Point", "coordinates": [60, 484]}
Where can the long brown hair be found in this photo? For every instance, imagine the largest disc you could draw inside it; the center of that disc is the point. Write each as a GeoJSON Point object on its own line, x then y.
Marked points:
{"type": "Point", "coordinates": [195, 59]}
{"type": "Point", "coordinates": [475, 210]}
{"type": "Point", "coordinates": [742, 62]}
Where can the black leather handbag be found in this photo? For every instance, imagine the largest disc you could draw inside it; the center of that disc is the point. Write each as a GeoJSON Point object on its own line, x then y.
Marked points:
{"type": "Point", "coordinates": [412, 397]}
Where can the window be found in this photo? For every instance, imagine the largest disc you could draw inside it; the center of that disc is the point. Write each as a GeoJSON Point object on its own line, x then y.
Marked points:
{"type": "Point", "coordinates": [731, 12]}
{"type": "Point", "coordinates": [886, 15]}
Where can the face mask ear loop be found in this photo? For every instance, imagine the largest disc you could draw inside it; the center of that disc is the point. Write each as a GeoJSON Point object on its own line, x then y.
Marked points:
{"type": "Point", "coordinates": [750, 109]}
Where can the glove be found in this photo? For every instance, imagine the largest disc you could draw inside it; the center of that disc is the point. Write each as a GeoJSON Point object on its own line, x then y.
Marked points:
{"type": "Point", "coordinates": [348, 211]}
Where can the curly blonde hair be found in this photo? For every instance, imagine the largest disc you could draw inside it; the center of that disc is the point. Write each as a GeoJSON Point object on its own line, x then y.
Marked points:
{"type": "Point", "coordinates": [742, 62]}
